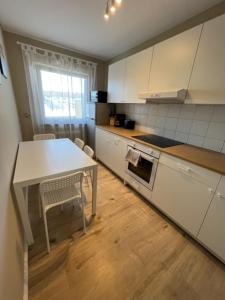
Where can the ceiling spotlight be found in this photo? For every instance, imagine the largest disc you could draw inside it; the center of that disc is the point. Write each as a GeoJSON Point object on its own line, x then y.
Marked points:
{"type": "Point", "coordinates": [112, 6]}
{"type": "Point", "coordinates": [106, 15]}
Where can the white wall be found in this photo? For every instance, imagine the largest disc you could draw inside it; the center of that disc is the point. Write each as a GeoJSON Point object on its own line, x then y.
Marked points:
{"type": "Point", "coordinates": [200, 125]}
{"type": "Point", "coordinates": [11, 244]}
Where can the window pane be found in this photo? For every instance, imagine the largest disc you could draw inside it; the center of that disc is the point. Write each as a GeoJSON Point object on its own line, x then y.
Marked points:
{"type": "Point", "coordinates": [63, 94]}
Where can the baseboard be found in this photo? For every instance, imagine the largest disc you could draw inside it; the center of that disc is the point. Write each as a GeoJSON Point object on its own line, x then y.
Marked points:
{"type": "Point", "coordinates": [25, 280]}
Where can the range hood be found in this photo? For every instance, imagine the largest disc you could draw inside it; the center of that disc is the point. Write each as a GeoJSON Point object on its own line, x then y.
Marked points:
{"type": "Point", "coordinates": [173, 96]}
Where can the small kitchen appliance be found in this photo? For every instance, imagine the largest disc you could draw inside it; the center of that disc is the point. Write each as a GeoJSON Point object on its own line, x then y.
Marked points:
{"type": "Point", "coordinates": [129, 124]}
{"type": "Point", "coordinates": [98, 97]}
{"type": "Point", "coordinates": [119, 120]}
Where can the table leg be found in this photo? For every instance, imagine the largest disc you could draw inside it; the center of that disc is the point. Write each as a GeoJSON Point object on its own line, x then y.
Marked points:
{"type": "Point", "coordinates": [94, 191]}
{"type": "Point", "coordinates": [21, 197]}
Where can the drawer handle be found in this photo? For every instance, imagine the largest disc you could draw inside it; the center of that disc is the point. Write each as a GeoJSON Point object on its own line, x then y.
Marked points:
{"type": "Point", "coordinates": [184, 169]}
{"type": "Point", "coordinates": [220, 196]}
{"type": "Point", "coordinates": [210, 190]}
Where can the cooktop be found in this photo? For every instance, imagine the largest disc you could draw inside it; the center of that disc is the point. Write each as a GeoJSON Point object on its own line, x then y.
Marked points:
{"type": "Point", "coordinates": [157, 140]}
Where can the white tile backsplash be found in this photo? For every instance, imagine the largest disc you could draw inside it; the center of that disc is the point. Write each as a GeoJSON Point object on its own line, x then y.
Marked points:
{"type": "Point", "coordinates": [216, 130]}
{"type": "Point", "coordinates": [213, 144]}
{"type": "Point", "coordinates": [204, 112]}
{"type": "Point", "coordinates": [200, 125]}
{"type": "Point", "coordinates": [184, 125]}
{"type": "Point", "coordinates": [219, 114]}
{"type": "Point", "coordinates": [181, 137]}
{"type": "Point", "coordinates": [169, 134]}
{"type": "Point", "coordinates": [195, 140]}
{"type": "Point", "coordinates": [171, 123]}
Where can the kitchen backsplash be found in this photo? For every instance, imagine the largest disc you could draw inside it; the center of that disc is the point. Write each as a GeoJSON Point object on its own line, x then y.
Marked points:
{"type": "Point", "coordinates": [200, 125]}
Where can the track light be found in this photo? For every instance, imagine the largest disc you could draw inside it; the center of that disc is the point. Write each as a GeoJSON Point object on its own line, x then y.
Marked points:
{"type": "Point", "coordinates": [106, 15]}
{"type": "Point", "coordinates": [111, 6]}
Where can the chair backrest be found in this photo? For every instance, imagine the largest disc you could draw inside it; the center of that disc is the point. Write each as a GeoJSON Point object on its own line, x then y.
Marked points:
{"type": "Point", "coordinates": [61, 183]}
{"type": "Point", "coordinates": [79, 143]}
{"type": "Point", "coordinates": [89, 151]}
{"type": "Point", "coordinates": [44, 136]}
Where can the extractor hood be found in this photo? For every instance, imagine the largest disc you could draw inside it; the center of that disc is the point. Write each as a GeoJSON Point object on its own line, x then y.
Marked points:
{"type": "Point", "coordinates": [173, 96]}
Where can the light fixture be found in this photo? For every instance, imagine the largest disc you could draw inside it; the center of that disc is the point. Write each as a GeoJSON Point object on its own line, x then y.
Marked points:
{"type": "Point", "coordinates": [106, 15]}
{"type": "Point", "coordinates": [111, 6]}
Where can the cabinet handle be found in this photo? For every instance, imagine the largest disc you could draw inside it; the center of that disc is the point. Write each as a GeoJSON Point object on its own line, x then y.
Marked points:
{"type": "Point", "coordinates": [210, 190]}
{"type": "Point", "coordinates": [184, 169]}
{"type": "Point", "coordinates": [220, 196]}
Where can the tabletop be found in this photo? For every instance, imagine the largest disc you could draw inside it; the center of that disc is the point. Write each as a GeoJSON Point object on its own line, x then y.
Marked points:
{"type": "Point", "coordinates": [39, 160]}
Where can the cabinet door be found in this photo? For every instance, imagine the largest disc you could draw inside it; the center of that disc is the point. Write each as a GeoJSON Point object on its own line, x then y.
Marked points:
{"type": "Point", "coordinates": [173, 61]}
{"type": "Point", "coordinates": [181, 196]}
{"type": "Point", "coordinates": [119, 150]}
{"type": "Point", "coordinates": [137, 75]}
{"type": "Point", "coordinates": [102, 146]}
{"type": "Point", "coordinates": [111, 150]}
{"type": "Point", "coordinates": [116, 81]}
{"type": "Point", "coordinates": [212, 232]}
{"type": "Point", "coordinates": [207, 84]}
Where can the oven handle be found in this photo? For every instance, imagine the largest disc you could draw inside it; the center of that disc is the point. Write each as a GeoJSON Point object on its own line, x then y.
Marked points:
{"type": "Point", "coordinates": [144, 155]}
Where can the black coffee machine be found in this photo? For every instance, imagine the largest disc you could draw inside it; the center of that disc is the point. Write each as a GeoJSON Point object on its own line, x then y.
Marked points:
{"type": "Point", "coordinates": [119, 120]}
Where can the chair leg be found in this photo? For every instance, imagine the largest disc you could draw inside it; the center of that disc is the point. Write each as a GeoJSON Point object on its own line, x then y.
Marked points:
{"type": "Point", "coordinates": [91, 175]}
{"type": "Point", "coordinates": [46, 231]}
{"type": "Point", "coordinates": [40, 206]}
{"type": "Point", "coordinates": [86, 179]}
{"type": "Point", "coordinates": [83, 215]}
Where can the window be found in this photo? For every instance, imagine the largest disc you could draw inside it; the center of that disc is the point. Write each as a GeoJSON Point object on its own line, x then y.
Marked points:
{"type": "Point", "coordinates": [63, 94]}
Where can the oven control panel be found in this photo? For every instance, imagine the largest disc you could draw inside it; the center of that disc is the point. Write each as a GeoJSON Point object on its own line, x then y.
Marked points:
{"type": "Point", "coordinates": [148, 150]}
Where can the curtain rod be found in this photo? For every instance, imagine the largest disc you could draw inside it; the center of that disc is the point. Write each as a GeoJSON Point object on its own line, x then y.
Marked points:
{"type": "Point", "coordinates": [58, 53]}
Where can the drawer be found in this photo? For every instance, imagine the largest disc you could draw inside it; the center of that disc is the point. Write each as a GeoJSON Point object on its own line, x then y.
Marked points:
{"type": "Point", "coordinates": [200, 174]}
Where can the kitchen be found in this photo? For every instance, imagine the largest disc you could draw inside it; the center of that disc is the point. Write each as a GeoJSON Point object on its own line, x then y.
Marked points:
{"type": "Point", "coordinates": [155, 184]}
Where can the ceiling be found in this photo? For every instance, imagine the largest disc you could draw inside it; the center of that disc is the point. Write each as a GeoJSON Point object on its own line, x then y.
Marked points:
{"type": "Point", "coordinates": [79, 24]}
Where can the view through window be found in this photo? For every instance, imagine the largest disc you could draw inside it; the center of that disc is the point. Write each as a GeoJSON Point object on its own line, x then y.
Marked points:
{"type": "Point", "coordinates": [63, 94]}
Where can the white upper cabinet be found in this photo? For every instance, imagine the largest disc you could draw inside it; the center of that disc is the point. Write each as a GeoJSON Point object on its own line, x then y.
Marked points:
{"type": "Point", "coordinates": [137, 75]}
{"type": "Point", "coordinates": [173, 61]}
{"type": "Point", "coordinates": [207, 83]}
{"type": "Point", "coordinates": [116, 77]}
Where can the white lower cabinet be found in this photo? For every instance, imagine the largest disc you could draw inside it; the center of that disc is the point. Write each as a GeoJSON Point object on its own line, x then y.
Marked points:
{"type": "Point", "coordinates": [192, 196]}
{"type": "Point", "coordinates": [183, 191]}
{"type": "Point", "coordinates": [111, 150]}
{"type": "Point", "coordinates": [212, 233]}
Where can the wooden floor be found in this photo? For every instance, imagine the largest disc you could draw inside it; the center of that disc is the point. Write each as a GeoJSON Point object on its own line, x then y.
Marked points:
{"type": "Point", "coordinates": [129, 252]}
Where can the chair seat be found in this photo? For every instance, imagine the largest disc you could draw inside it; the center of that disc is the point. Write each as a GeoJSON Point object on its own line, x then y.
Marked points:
{"type": "Point", "coordinates": [53, 198]}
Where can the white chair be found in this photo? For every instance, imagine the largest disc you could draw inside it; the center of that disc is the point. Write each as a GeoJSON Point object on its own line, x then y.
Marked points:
{"type": "Point", "coordinates": [79, 143]}
{"type": "Point", "coordinates": [39, 137]}
{"type": "Point", "coordinates": [90, 152]}
{"type": "Point", "coordinates": [58, 191]}
{"type": "Point", "coordinates": [44, 136]}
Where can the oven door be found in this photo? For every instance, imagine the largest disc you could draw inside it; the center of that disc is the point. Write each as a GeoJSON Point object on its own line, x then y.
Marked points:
{"type": "Point", "coordinates": [145, 170]}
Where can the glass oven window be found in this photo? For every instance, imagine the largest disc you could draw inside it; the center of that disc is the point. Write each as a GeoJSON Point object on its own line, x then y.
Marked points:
{"type": "Point", "coordinates": [143, 169]}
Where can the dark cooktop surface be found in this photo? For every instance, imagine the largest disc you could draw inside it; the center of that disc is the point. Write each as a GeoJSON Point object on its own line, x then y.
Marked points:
{"type": "Point", "coordinates": [157, 140]}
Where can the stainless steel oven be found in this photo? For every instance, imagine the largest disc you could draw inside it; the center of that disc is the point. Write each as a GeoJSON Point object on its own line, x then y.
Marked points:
{"type": "Point", "coordinates": [145, 170]}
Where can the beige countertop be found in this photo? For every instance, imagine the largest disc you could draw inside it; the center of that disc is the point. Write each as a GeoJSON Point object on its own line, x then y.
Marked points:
{"type": "Point", "coordinates": [209, 159]}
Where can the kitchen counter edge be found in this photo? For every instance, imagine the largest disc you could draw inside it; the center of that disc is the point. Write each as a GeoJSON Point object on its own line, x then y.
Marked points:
{"type": "Point", "coordinates": [211, 160]}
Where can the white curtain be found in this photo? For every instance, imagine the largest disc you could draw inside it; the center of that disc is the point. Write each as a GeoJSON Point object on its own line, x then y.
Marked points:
{"type": "Point", "coordinates": [58, 88]}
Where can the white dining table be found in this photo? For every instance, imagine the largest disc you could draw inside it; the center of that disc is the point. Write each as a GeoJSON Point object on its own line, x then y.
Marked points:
{"type": "Point", "coordinates": [45, 159]}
